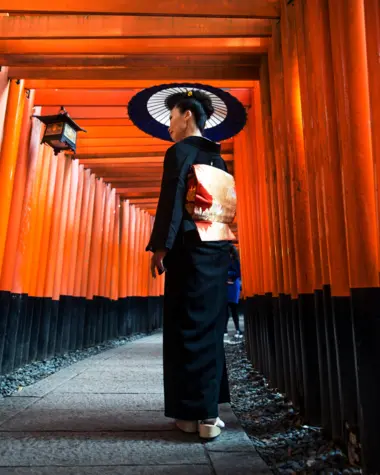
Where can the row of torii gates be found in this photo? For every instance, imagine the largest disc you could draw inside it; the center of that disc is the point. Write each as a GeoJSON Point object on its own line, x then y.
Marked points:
{"type": "Point", "coordinates": [307, 165]}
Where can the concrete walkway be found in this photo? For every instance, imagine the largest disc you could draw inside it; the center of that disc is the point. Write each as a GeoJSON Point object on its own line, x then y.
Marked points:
{"type": "Point", "coordinates": [104, 415]}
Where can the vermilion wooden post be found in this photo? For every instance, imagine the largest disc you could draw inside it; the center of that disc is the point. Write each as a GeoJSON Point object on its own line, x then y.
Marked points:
{"type": "Point", "coordinates": [105, 242]}
{"type": "Point", "coordinates": [254, 180]}
{"type": "Point", "coordinates": [348, 38]}
{"type": "Point", "coordinates": [44, 257]}
{"type": "Point", "coordinates": [275, 224]}
{"type": "Point", "coordinates": [83, 224]}
{"type": "Point", "coordinates": [131, 251]}
{"type": "Point", "coordinates": [70, 224]}
{"type": "Point", "coordinates": [8, 155]}
{"type": "Point", "coordinates": [55, 238]}
{"type": "Point", "coordinates": [75, 261]}
{"type": "Point", "coordinates": [20, 265]}
{"type": "Point", "coordinates": [321, 278]}
{"type": "Point", "coordinates": [340, 349]}
{"type": "Point", "coordinates": [304, 324]}
{"type": "Point", "coordinates": [19, 188]}
{"type": "Point", "coordinates": [116, 262]}
{"type": "Point", "coordinates": [124, 248]}
{"type": "Point", "coordinates": [62, 229]}
{"type": "Point", "coordinates": [86, 269]}
{"type": "Point", "coordinates": [35, 224]}
{"type": "Point", "coordinates": [284, 197]}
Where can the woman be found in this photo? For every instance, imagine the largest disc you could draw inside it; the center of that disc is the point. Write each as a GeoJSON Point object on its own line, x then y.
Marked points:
{"type": "Point", "coordinates": [234, 288]}
{"type": "Point", "coordinates": [195, 377]}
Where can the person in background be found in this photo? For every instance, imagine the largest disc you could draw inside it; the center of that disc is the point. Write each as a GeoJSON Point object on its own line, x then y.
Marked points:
{"type": "Point", "coordinates": [234, 289]}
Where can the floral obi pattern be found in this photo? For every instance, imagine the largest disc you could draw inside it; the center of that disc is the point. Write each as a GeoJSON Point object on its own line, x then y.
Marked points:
{"type": "Point", "coordinates": [211, 202]}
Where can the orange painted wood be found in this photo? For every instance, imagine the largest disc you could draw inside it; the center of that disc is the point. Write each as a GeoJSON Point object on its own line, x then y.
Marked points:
{"type": "Point", "coordinates": [124, 224]}
{"type": "Point", "coordinates": [136, 255]}
{"type": "Point", "coordinates": [116, 264]}
{"type": "Point", "coordinates": [309, 92]}
{"type": "Point", "coordinates": [372, 19]}
{"type": "Point", "coordinates": [19, 187]}
{"type": "Point", "coordinates": [213, 8]}
{"type": "Point", "coordinates": [162, 73]}
{"type": "Point", "coordinates": [8, 156]}
{"type": "Point", "coordinates": [40, 216]}
{"type": "Point", "coordinates": [348, 38]}
{"type": "Point", "coordinates": [105, 242]}
{"type": "Point", "coordinates": [100, 98]}
{"type": "Point", "coordinates": [277, 265]}
{"type": "Point", "coordinates": [44, 257]}
{"type": "Point", "coordinates": [130, 61]}
{"type": "Point", "coordinates": [86, 269]}
{"type": "Point", "coordinates": [174, 46]}
{"type": "Point", "coordinates": [83, 224]}
{"type": "Point", "coordinates": [55, 238]}
{"type": "Point", "coordinates": [265, 215]}
{"type": "Point", "coordinates": [281, 159]}
{"type": "Point", "coordinates": [62, 225]}
{"type": "Point", "coordinates": [21, 259]}
{"type": "Point", "coordinates": [96, 26]}
{"type": "Point", "coordinates": [75, 262]}
{"type": "Point", "coordinates": [110, 248]}
{"type": "Point", "coordinates": [328, 154]}
{"type": "Point", "coordinates": [81, 112]}
{"type": "Point", "coordinates": [131, 251]}
{"type": "Point", "coordinates": [298, 165]}
{"type": "Point", "coordinates": [252, 176]}
{"type": "Point", "coordinates": [70, 227]}
{"type": "Point", "coordinates": [124, 84]}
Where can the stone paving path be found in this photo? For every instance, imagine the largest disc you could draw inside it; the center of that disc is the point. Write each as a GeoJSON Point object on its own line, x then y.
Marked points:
{"type": "Point", "coordinates": [104, 416]}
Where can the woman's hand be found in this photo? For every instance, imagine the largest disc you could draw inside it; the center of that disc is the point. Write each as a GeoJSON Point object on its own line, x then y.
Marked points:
{"type": "Point", "coordinates": [157, 262]}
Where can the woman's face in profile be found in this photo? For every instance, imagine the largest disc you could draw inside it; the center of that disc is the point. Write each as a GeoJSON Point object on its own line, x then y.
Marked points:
{"type": "Point", "coordinates": [178, 124]}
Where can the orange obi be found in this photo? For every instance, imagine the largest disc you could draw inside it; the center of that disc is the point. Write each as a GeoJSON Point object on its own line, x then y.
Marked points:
{"type": "Point", "coordinates": [211, 202]}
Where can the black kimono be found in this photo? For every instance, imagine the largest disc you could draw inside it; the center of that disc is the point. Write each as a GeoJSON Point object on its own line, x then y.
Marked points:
{"type": "Point", "coordinates": [195, 302]}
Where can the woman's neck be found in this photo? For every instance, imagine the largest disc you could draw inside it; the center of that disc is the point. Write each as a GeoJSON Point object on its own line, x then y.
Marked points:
{"type": "Point", "coordinates": [193, 133]}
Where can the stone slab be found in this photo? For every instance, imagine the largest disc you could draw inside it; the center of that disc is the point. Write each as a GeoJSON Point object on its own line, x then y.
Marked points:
{"type": "Point", "coordinates": [93, 449]}
{"type": "Point", "coordinates": [101, 402]}
{"type": "Point", "coordinates": [46, 385]}
{"type": "Point", "coordinates": [233, 437]}
{"type": "Point", "coordinates": [122, 382]}
{"type": "Point", "coordinates": [238, 464]}
{"type": "Point", "coordinates": [125, 470]}
{"type": "Point", "coordinates": [73, 420]}
{"type": "Point", "coordinates": [10, 406]}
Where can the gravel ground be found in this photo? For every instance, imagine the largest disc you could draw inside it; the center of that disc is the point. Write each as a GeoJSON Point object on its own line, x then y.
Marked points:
{"type": "Point", "coordinates": [33, 372]}
{"type": "Point", "coordinates": [275, 427]}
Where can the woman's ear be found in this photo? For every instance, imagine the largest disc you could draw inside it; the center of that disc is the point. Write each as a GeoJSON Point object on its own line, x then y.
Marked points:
{"type": "Point", "coordinates": [188, 115]}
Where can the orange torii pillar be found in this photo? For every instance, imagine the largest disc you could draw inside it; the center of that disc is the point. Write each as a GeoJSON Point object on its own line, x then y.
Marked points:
{"type": "Point", "coordinates": [304, 317]}
{"type": "Point", "coordinates": [274, 218]}
{"type": "Point", "coordinates": [321, 276]}
{"type": "Point", "coordinates": [350, 62]}
{"type": "Point", "coordinates": [338, 326]}
{"type": "Point", "coordinates": [285, 205]}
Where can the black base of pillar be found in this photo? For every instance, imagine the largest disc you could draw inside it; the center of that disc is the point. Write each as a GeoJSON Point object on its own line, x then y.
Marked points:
{"type": "Point", "coordinates": [309, 348]}
{"type": "Point", "coordinates": [34, 328]}
{"type": "Point", "coordinates": [365, 304]}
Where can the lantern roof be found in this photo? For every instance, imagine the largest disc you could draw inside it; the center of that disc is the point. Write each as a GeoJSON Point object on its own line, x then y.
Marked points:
{"type": "Point", "coordinates": [62, 116]}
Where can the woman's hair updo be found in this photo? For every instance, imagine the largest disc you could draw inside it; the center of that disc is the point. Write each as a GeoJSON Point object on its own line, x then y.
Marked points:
{"type": "Point", "coordinates": [197, 102]}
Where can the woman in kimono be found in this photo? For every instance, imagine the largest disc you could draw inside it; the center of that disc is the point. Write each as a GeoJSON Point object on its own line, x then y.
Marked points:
{"type": "Point", "coordinates": [195, 301]}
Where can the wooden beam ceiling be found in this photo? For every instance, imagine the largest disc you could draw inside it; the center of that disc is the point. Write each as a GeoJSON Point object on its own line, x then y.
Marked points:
{"type": "Point", "coordinates": [186, 8]}
{"type": "Point", "coordinates": [94, 56]}
{"type": "Point", "coordinates": [107, 46]}
{"type": "Point", "coordinates": [80, 27]}
{"type": "Point", "coordinates": [159, 73]}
